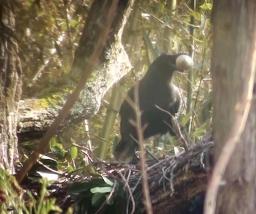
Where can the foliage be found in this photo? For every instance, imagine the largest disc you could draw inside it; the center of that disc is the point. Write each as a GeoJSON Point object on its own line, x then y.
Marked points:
{"type": "Point", "coordinates": [99, 194]}
{"type": "Point", "coordinates": [48, 33]}
{"type": "Point", "coordinates": [13, 198]}
{"type": "Point", "coordinates": [68, 156]}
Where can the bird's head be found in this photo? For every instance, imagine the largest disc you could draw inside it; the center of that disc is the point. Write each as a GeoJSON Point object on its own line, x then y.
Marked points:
{"type": "Point", "coordinates": [179, 62]}
{"type": "Point", "coordinates": [166, 64]}
{"type": "Point", "coordinates": [183, 62]}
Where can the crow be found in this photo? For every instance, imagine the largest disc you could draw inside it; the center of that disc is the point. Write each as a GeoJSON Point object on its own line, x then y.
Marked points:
{"type": "Point", "coordinates": [157, 99]}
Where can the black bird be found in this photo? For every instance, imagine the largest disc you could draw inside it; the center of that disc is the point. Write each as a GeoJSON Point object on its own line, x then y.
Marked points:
{"type": "Point", "coordinates": [157, 96]}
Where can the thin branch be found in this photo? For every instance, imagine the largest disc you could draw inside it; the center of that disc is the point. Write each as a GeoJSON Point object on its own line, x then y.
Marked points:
{"type": "Point", "coordinates": [200, 82]}
{"type": "Point", "coordinates": [108, 199]}
{"type": "Point", "coordinates": [176, 128]}
{"type": "Point", "coordinates": [129, 191]}
{"type": "Point", "coordinates": [143, 164]}
{"type": "Point", "coordinates": [189, 106]}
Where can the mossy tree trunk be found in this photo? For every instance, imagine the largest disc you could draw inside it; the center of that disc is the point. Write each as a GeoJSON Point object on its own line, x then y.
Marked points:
{"type": "Point", "coordinates": [10, 87]}
{"type": "Point", "coordinates": [233, 71]}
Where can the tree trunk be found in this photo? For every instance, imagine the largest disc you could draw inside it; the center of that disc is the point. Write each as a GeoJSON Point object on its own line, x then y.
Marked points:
{"type": "Point", "coordinates": [233, 68]}
{"type": "Point", "coordinates": [114, 62]}
{"type": "Point", "coordinates": [10, 87]}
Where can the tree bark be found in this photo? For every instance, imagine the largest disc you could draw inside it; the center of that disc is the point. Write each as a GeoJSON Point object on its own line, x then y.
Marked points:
{"type": "Point", "coordinates": [114, 62]}
{"type": "Point", "coordinates": [233, 66]}
{"type": "Point", "coordinates": [10, 87]}
{"type": "Point", "coordinates": [34, 119]}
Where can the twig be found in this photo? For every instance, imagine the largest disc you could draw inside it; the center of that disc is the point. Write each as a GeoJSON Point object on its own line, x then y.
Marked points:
{"type": "Point", "coordinates": [41, 69]}
{"type": "Point", "coordinates": [110, 195]}
{"type": "Point", "coordinates": [175, 127]}
{"type": "Point", "coordinates": [129, 191]}
{"type": "Point", "coordinates": [146, 150]}
{"type": "Point", "coordinates": [146, 193]}
{"type": "Point", "coordinates": [200, 81]}
{"type": "Point", "coordinates": [50, 169]}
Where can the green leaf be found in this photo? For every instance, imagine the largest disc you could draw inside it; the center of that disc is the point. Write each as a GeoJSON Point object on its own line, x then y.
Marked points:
{"type": "Point", "coordinates": [57, 147]}
{"type": "Point", "coordinates": [184, 119]}
{"type": "Point", "coordinates": [101, 189]}
{"type": "Point", "coordinates": [200, 131]}
{"type": "Point", "coordinates": [196, 15]}
{"type": "Point", "coordinates": [206, 6]}
{"type": "Point", "coordinates": [107, 181]}
{"type": "Point", "coordinates": [73, 152]}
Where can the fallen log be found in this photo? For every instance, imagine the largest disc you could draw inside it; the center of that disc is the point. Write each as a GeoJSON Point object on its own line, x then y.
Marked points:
{"type": "Point", "coordinates": [177, 184]}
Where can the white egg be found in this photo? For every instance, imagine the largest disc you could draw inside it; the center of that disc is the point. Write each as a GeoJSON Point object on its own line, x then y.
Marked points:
{"type": "Point", "coordinates": [184, 62]}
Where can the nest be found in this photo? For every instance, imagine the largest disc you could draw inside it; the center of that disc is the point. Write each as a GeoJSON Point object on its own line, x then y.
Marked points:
{"type": "Point", "coordinates": [177, 184]}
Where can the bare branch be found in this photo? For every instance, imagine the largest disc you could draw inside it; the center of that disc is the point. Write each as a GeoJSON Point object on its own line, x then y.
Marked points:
{"type": "Point", "coordinates": [143, 164]}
